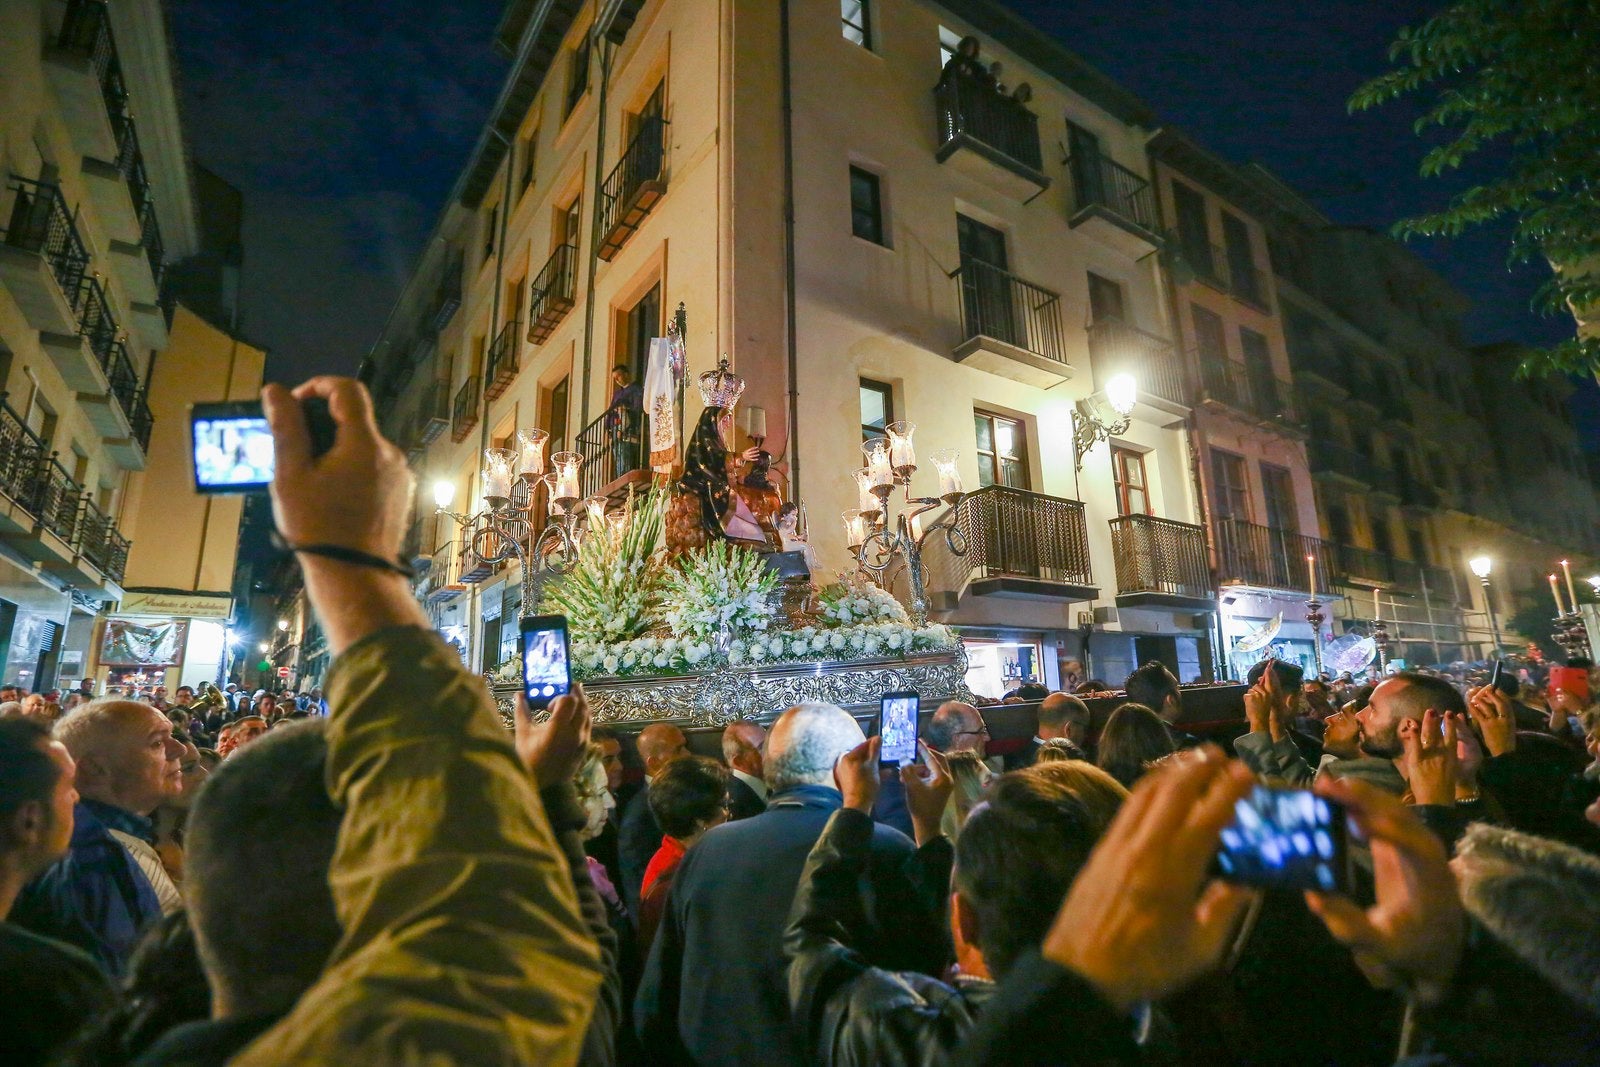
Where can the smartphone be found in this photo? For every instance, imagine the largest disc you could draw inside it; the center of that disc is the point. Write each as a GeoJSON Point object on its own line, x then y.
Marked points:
{"type": "Point", "coordinates": [897, 727]}
{"type": "Point", "coordinates": [1286, 839]}
{"type": "Point", "coordinates": [546, 670]}
{"type": "Point", "coordinates": [1506, 683]}
{"type": "Point", "coordinates": [232, 443]}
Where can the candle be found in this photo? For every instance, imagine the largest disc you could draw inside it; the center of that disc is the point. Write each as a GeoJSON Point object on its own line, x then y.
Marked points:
{"type": "Point", "coordinates": [1311, 576]}
{"type": "Point", "coordinates": [855, 529]}
{"type": "Point", "coordinates": [901, 453]}
{"type": "Point", "coordinates": [944, 461]}
{"type": "Point", "coordinates": [1555, 593]}
{"type": "Point", "coordinates": [1572, 594]}
{"type": "Point", "coordinates": [530, 453]}
{"type": "Point", "coordinates": [497, 466]}
{"type": "Point", "coordinates": [756, 422]}
{"type": "Point", "coordinates": [864, 483]}
{"type": "Point", "coordinates": [1377, 612]}
{"type": "Point", "coordinates": [566, 471]}
{"type": "Point", "coordinates": [877, 453]}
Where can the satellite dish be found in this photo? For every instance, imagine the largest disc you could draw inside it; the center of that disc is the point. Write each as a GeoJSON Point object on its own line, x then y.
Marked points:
{"type": "Point", "coordinates": [1261, 636]}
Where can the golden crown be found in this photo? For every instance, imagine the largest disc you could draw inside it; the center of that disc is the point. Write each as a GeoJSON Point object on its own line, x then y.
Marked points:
{"type": "Point", "coordinates": [721, 388]}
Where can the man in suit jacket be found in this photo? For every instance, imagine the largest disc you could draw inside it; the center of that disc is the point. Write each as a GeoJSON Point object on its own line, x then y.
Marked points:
{"type": "Point", "coordinates": [741, 751]}
{"type": "Point", "coordinates": [715, 989]}
{"type": "Point", "coordinates": [1060, 715]}
{"type": "Point", "coordinates": [640, 835]}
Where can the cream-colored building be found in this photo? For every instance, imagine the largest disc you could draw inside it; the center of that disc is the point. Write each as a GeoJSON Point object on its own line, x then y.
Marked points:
{"type": "Point", "coordinates": [98, 203]}
{"type": "Point", "coordinates": [975, 263]}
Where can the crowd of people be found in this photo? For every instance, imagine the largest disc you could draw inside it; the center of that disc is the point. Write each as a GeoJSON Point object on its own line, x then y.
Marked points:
{"type": "Point", "coordinates": [401, 881]}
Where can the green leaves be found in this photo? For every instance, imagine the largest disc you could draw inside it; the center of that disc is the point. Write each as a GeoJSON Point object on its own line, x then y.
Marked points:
{"type": "Point", "coordinates": [1518, 79]}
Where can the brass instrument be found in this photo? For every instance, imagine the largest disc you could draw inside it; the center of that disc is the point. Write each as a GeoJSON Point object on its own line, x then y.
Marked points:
{"type": "Point", "coordinates": [209, 698]}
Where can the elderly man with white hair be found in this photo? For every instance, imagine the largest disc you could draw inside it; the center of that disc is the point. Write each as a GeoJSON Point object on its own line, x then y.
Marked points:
{"type": "Point", "coordinates": [715, 988]}
{"type": "Point", "coordinates": [110, 884]}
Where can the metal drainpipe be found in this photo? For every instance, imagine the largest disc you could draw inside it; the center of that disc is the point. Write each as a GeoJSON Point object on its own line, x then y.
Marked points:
{"type": "Point", "coordinates": [594, 222]}
{"type": "Point", "coordinates": [793, 444]}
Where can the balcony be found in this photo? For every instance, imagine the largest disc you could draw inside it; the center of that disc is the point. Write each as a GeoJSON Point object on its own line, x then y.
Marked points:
{"type": "Point", "coordinates": [80, 62]}
{"type": "Point", "coordinates": [1118, 348]}
{"type": "Point", "coordinates": [634, 185]}
{"type": "Point", "coordinates": [1010, 327]}
{"type": "Point", "coordinates": [443, 581]}
{"type": "Point", "coordinates": [433, 413]}
{"type": "Point", "coordinates": [1238, 277]}
{"type": "Point", "coordinates": [552, 293]}
{"type": "Point", "coordinates": [464, 412]}
{"type": "Point", "coordinates": [1226, 381]}
{"type": "Point", "coordinates": [502, 360]}
{"type": "Point", "coordinates": [612, 448]}
{"type": "Point", "coordinates": [101, 543]}
{"type": "Point", "coordinates": [1367, 566]}
{"type": "Point", "coordinates": [119, 187]}
{"type": "Point", "coordinates": [43, 260]}
{"type": "Point", "coordinates": [1114, 205]}
{"type": "Point", "coordinates": [1340, 461]}
{"type": "Point", "coordinates": [447, 297]}
{"type": "Point", "coordinates": [1020, 546]}
{"type": "Point", "coordinates": [1161, 563]}
{"type": "Point", "coordinates": [989, 137]}
{"type": "Point", "coordinates": [1268, 557]}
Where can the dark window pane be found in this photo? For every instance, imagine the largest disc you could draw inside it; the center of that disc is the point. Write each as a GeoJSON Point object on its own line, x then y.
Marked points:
{"type": "Point", "coordinates": [866, 210]}
{"type": "Point", "coordinates": [854, 18]}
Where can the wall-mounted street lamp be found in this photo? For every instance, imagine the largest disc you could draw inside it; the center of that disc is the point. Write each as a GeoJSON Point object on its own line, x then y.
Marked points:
{"type": "Point", "coordinates": [1103, 415]}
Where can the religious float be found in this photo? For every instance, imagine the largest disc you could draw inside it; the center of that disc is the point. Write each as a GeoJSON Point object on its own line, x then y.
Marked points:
{"type": "Point", "coordinates": [691, 596]}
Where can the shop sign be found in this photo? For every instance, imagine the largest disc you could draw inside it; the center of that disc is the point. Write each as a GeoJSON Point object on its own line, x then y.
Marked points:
{"type": "Point", "coordinates": [177, 605]}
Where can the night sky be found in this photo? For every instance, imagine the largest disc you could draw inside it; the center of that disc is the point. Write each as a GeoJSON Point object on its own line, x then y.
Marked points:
{"type": "Point", "coordinates": [346, 125]}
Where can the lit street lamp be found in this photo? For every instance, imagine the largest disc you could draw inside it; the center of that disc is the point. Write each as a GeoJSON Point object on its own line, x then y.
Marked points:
{"type": "Point", "coordinates": [1481, 565]}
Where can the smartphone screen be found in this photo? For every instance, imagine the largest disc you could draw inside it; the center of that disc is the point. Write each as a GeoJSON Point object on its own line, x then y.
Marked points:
{"type": "Point", "coordinates": [1286, 838]}
{"type": "Point", "coordinates": [545, 671]}
{"type": "Point", "coordinates": [232, 448]}
{"type": "Point", "coordinates": [897, 726]}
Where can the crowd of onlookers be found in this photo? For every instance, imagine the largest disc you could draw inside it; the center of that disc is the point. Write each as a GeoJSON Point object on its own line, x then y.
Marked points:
{"type": "Point", "coordinates": [400, 880]}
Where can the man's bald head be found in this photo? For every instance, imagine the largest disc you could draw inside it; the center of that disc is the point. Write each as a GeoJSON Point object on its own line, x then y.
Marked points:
{"type": "Point", "coordinates": [956, 727]}
{"type": "Point", "coordinates": [659, 744]}
{"type": "Point", "coordinates": [805, 743]}
{"type": "Point", "coordinates": [741, 747]}
{"type": "Point", "coordinates": [1063, 715]}
{"type": "Point", "coordinates": [125, 753]}
{"type": "Point", "coordinates": [1406, 695]}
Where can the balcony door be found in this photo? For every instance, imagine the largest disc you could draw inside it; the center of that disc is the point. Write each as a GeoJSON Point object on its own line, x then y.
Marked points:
{"type": "Point", "coordinates": [1106, 303]}
{"type": "Point", "coordinates": [1083, 160]}
{"type": "Point", "coordinates": [1011, 547]}
{"type": "Point", "coordinates": [986, 282]}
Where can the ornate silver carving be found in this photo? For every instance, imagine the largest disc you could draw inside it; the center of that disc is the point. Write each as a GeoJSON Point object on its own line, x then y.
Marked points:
{"type": "Point", "coordinates": [719, 697]}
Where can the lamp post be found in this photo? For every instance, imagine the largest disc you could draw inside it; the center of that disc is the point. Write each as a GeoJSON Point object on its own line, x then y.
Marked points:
{"type": "Point", "coordinates": [1481, 565]}
{"type": "Point", "coordinates": [876, 541]}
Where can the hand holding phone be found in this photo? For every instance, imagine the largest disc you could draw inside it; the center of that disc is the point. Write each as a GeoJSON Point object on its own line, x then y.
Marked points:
{"type": "Point", "coordinates": [897, 726]}
{"type": "Point", "coordinates": [232, 444]}
{"type": "Point", "coordinates": [1286, 839]}
{"type": "Point", "coordinates": [546, 668]}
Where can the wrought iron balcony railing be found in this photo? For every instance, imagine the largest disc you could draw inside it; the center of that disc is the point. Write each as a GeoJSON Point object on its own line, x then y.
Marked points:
{"type": "Point", "coordinates": [612, 447]}
{"type": "Point", "coordinates": [40, 223]}
{"type": "Point", "coordinates": [633, 186]}
{"type": "Point", "coordinates": [1118, 348]}
{"type": "Point", "coordinates": [552, 293]}
{"type": "Point", "coordinates": [1160, 557]}
{"type": "Point", "coordinates": [1013, 533]}
{"type": "Point", "coordinates": [1098, 181]}
{"type": "Point", "coordinates": [86, 32]}
{"type": "Point", "coordinates": [974, 111]}
{"type": "Point", "coordinates": [501, 363]}
{"type": "Point", "coordinates": [1230, 382]}
{"type": "Point", "coordinates": [464, 413]}
{"type": "Point", "coordinates": [101, 543]}
{"type": "Point", "coordinates": [447, 297]}
{"type": "Point", "coordinates": [1002, 306]}
{"type": "Point", "coordinates": [1270, 557]}
{"type": "Point", "coordinates": [434, 412]}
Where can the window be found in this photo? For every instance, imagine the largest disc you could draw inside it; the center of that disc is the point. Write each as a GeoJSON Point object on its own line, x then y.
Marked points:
{"type": "Point", "coordinates": [1258, 367]}
{"type": "Point", "coordinates": [555, 413]}
{"type": "Point", "coordinates": [1277, 486]}
{"type": "Point", "coordinates": [639, 324]}
{"type": "Point", "coordinates": [568, 223]}
{"type": "Point", "coordinates": [1210, 338]}
{"type": "Point", "coordinates": [949, 42]}
{"type": "Point", "coordinates": [866, 206]}
{"type": "Point", "coordinates": [855, 18]}
{"type": "Point", "coordinates": [1133, 491]}
{"type": "Point", "coordinates": [577, 75]}
{"type": "Point", "coordinates": [1230, 489]}
{"type": "Point", "coordinates": [529, 149]}
{"type": "Point", "coordinates": [1002, 451]}
{"type": "Point", "coordinates": [491, 222]}
{"type": "Point", "coordinates": [515, 303]}
{"type": "Point", "coordinates": [1241, 261]}
{"type": "Point", "coordinates": [877, 409]}
{"type": "Point", "coordinates": [1105, 299]}
{"type": "Point", "coordinates": [1193, 236]}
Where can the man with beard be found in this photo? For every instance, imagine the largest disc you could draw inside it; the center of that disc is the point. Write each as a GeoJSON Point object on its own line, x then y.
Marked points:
{"type": "Point", "coordinates": [1405, 695]}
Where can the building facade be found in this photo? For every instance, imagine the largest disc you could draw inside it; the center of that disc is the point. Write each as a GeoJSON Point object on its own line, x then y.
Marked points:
{"type": "Point", "coordinates": [97, 205]}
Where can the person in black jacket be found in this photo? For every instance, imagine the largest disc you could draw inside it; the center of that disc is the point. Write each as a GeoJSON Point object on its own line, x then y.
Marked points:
{"type": "Point", "coordinates": [1016, 856]}
{"type": "Point", "coordinates": [1061, 715]}
{"type": "Point", "coordinates": [640, 835]}
{"type": "Point", "coordinates": [741, 751]}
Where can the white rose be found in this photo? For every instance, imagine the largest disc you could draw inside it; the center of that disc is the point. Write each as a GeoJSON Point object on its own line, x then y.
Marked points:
{"type": "Point", "coordinates": [610, 663]}
{"type": "Point", "coordinates": [801, 646]}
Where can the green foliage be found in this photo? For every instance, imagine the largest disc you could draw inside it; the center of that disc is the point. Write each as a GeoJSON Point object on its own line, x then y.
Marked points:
{"type": "Point", "coordinates": [612, 591]}
{"type": "Point", "coordinates": [1518, 81]}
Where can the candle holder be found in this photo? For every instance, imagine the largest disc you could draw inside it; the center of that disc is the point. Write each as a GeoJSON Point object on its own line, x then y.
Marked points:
{"type": "Point", "coordinates": [1315, 619]}
{"type": "Point", "coordinates": [1572, 635]}
{"type": "Point", "coordinates": [530, 454]}
{"type": "Point", "coordinates": [1384, 643]}
{"type": "Point", "coordinates": [944, 462]}
{"type": "Point", "coordinates": [902, 455]}
{"type": "Point", "coordinates": [883, 543]}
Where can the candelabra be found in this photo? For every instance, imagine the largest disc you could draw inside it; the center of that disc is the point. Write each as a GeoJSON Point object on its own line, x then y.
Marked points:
{"type": "Point", "coordinates": [1315, 618]}
{"type": "Point", "coordinates": [879, 542]}
{"type": "Point", "coordinates": [1571, 635]}
{"type": "Point", "coordinates": [1384, 643]}
{"type": "Point", "coordinates": [502, 528]}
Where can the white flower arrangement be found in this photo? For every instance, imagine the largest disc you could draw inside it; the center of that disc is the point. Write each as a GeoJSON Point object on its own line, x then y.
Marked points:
{"type": "Point", "coordinates": [612, 591]}
{"type": "Point", "coordinates": [718, 589]}
{"type": "Point", "coordinates": [854, 599]}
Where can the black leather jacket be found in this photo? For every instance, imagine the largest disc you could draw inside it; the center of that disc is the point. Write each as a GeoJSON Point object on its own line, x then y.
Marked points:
{"type": "Point", "coordinates": [850, 1011]}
